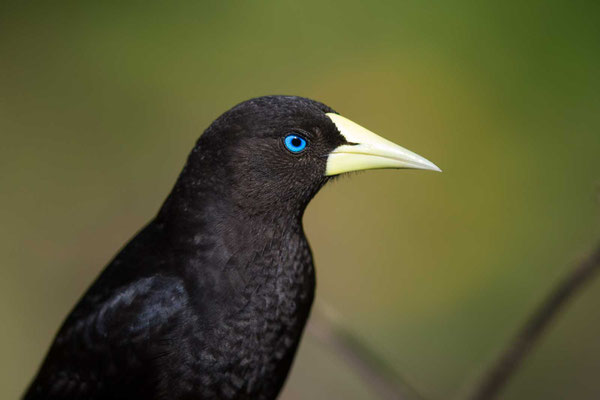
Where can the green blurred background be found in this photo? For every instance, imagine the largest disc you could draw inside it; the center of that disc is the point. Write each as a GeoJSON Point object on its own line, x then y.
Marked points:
{"type": "Point", "coordinates": [100, 102]}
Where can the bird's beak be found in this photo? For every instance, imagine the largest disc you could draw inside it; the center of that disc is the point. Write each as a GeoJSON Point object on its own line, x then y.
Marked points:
{"type": "Point", "coordinates": [367, 150]}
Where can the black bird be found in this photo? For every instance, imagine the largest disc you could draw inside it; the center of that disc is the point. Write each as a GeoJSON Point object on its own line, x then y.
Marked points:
{"type": "Point", "coordinates": [209, 300]}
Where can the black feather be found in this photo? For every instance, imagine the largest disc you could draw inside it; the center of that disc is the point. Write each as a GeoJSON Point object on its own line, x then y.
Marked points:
{"type": "Point", "coordinates": [209, 300]}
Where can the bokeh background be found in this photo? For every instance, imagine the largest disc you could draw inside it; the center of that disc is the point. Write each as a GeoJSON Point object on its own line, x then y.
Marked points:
{"type": "Point", "coordinates": [100, 102]}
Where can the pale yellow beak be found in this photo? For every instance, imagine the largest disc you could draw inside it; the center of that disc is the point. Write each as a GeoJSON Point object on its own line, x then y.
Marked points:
{"type": "Point", "coordinates": [369, 151]}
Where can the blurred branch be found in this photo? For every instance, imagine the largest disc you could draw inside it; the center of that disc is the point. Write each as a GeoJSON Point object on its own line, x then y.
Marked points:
{"type": "Point", "coordinates": [504, 368]}
{"type": "Point", "coordinates": [326, 327]}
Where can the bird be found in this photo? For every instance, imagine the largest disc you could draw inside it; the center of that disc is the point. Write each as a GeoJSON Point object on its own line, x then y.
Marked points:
{"type": "Point", "coordinates": [210, 298]}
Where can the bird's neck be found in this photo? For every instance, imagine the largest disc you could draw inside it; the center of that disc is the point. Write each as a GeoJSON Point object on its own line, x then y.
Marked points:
{"type": "Point", "coordinates": [238, 253]}
{"type": "Point", "coordinates": [249, 272]}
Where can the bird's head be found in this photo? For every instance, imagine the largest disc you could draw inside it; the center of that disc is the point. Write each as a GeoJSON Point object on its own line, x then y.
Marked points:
{"type": "Point", "coordinates": [276, 151]}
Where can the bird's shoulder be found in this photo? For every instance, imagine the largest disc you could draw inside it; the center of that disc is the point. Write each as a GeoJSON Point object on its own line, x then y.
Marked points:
{"type": "Point", "coordinates": [132, 311]}
{"type": "Point", "coordinates": [105, 343]}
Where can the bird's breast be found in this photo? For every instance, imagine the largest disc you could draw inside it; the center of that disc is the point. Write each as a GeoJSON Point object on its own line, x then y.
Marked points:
{"type": "Point", "coordinates": [253, 340]}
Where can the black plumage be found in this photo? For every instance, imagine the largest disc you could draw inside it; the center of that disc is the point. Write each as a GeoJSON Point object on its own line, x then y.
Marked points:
{"type": "Point", "coordinates": [209, 300]}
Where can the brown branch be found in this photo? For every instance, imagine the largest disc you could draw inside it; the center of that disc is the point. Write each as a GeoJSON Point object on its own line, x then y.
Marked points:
{"type": "Point", "coordinates": [520, 346]}
{"type": "Point", "coordinates": [325, 326]}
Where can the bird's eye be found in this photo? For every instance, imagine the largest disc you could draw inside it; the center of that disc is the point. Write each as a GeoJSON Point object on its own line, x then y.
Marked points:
{"type": "Point", "coordinates": [295, 143]}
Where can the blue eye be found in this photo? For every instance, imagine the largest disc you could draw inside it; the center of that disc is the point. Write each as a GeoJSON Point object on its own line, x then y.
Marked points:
{"type": "Point", "coordinates": [295, 143]}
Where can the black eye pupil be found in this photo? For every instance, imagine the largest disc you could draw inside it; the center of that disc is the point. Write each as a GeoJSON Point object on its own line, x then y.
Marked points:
{"type": "Point", "coordinates": [296, 142]}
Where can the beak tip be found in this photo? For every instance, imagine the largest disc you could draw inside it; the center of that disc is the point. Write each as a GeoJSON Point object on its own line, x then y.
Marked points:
{"type": "Point", "coordinates": [427, 165]}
